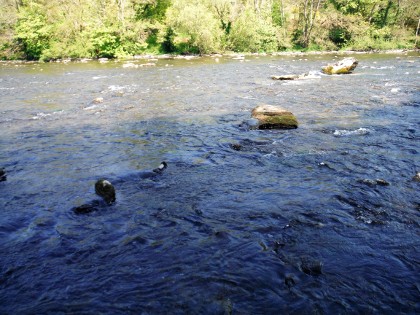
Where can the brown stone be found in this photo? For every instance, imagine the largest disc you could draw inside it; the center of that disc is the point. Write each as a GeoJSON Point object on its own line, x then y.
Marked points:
{"type": "Point", "coordinates": [274, 117]}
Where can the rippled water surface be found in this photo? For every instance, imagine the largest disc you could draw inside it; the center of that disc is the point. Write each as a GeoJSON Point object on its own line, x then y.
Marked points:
{"type": "Point", "coordinates": [320, 219]}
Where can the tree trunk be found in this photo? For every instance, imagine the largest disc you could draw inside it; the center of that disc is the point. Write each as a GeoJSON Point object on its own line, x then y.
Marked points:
{"type": "Point", "coordinates": [121, 10]}
{"type": "Point", "coordinates": [282, 18]}
{"type": "Point", "coordinates": [385, 18]}
{"type": "Point", "coordinates": [309, 19]}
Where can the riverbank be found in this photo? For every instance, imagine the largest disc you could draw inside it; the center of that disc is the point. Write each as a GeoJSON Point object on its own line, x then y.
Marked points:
{"type": "Point", "coordinates": [234, 55]}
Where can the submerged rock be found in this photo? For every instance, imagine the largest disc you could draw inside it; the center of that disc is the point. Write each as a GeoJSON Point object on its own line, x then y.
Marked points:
{"type": "Point", "coordinates": [250, 123]}
{"type": "Point", "coordinates": [105, 189]}
{"type": "Point", "coordinates": [347, 65]}
{"type": "Point", "coordinates": [236, 146]}
{"type": "Point", "coordinates": [3, 175]}
{"type": "Point", "coordinates": [86, 208]}
{"type": "Point", "coordinates": [375, 182]}
{"type": "Point", "coordinates": [289, 77]}
{"type": "Point", "coordinates": [155, 172]}
{"type": "Point", "coordinates": [274, 117]}
{"type": "Point", "coordinates": [149, 64]}
{"type": "Point", "coordinates": [311, 266]}
{"type": "Point", "coordinates": [289, 281]}
{"type": "Point", "coordinates": [163, 165]}
{"type": "Point", "coordinates": [382, 182]}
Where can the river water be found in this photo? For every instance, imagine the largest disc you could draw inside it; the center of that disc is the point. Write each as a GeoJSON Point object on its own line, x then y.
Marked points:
{"type": "Point", "coordinates": [323, 219]}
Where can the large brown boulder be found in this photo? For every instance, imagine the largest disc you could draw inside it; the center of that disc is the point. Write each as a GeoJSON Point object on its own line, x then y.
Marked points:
{"type": "Point", "coordinates": [274, 117]}
{"type": "Point", "coordinates": [347, 65]}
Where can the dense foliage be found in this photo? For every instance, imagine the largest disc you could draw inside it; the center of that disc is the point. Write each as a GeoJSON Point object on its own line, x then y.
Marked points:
{"type": "Point", "coordinates": [50, 29]}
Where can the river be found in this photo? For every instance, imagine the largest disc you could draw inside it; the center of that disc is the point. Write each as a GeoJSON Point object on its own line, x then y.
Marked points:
{"type": "Point", "coordinates": [322, 219]}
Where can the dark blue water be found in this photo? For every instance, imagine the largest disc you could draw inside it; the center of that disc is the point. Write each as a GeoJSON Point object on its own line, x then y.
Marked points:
{"type": "Point", "coordinates": [323, 219]}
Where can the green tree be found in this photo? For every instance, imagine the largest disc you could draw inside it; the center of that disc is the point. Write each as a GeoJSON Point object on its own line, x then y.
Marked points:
{"type": "Point", "coordinates": [197, 29]}
{"type": "Point", "coordinates": [253, 34]}
{"type": "Point", "coordinates": [151, 9]}
{"type": "Point", "coordinates": [8, 18]}
{"type": "Point", "coordinates": [308, 11]}
{"type": "Point", "coordinates": [33, 32]}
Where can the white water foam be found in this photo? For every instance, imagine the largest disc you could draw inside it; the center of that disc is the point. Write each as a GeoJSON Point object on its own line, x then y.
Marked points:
{"type": "Point", "coordinates": [44, 115]}
{"type": "Point", "coordinates": [357, 132]}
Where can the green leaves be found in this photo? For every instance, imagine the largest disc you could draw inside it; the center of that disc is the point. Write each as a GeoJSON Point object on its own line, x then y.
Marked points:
{"type": "Point", "coordinates": [40, 29]}
{"type": "Point", "coordinates": [33, 32]}
{"type": "Point", "coordinates": [195, 26]}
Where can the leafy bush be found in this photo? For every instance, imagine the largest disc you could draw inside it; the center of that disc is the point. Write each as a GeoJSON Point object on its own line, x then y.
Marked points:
{"type": "Point", "coordinates": [339, 36]}
{"type": "Point", "coordinates": [196, 27]}
{"type": "Point", "coordinates": [105, 42]}
{"type": "Point", "coordinates": [168, 45]}
{"type": "Point", "coordinates": [33, 32]}
{"type": "Point", "coordinates": [250, 33]}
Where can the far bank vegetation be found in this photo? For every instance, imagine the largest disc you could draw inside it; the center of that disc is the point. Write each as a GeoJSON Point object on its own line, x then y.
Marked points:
{"type": "Point", "coordinates": [53, 29]}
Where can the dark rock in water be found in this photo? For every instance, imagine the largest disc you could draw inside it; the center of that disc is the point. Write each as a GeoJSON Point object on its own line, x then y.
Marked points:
{"type": "Point", "coordinates": [326, 165]}
{"type": "Point", "coordinates": [221, 234]}
{"type": "Point", "coordinates": [227, 306]}
{"type": "Point", "coordinates": [161, 168]}
{"type": "Point", "coordinates": [286, 77]}
{"type": "Point", "coordinates": [105, 189]}
{"type": "Point", "coordinates": [274, 117]}
{"type": "Point", "coordinates": [278, 245]}
{"type": "Point", "coordinates": [347, 65]}
{"type": "Point", "coordinates": [416, 177]}
{"type": "Point", "coordinates": [153, 173]}
{"type": "Point", "coordinates": [236, 146]}
{"type": "Point", "coordinates": [374, 182]}
{"type": "Point", "coordinates": [3, 175]}
{"type": "Point", "coordinates": [311, 267]}
{"type": "Point", "coordinates": [290, 77]}
{"type": "Point", "coordinates": [260, 146]}
{"type": "Point", "coordinates": [368, 182]}
{"type": "Point", "coordinates": [87, 208]}
{"type": "Point", "coordinates": [382, 182]}
{"type": "Point", "coordinates": [289, 281]}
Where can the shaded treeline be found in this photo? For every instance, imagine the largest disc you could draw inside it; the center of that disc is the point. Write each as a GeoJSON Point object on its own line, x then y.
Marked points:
{"type": "Point", "coordinates": [49, 29]}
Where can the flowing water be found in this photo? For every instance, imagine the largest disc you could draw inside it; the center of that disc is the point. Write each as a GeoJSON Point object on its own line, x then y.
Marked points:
{"type": "Point", "coordinates": [322, 219]}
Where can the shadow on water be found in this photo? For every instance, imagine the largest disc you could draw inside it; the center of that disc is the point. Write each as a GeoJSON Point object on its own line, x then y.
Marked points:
{"type": "Point", "coordinates": [321, 219]}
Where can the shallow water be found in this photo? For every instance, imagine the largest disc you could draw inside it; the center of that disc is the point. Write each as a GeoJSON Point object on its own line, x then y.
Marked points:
{"type": "Point", "coordinates": [294, 222]}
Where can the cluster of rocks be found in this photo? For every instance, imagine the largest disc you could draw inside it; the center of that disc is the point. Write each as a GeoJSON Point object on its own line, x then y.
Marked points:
{"type": "Point", "coordinates": [133, 65]}
{"type": "Point", "coordinates": [106, 191]}
{"type": "Point", "coordinates": [275, 117]}
{"type": "Point", "coordinates": [344, 66]}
